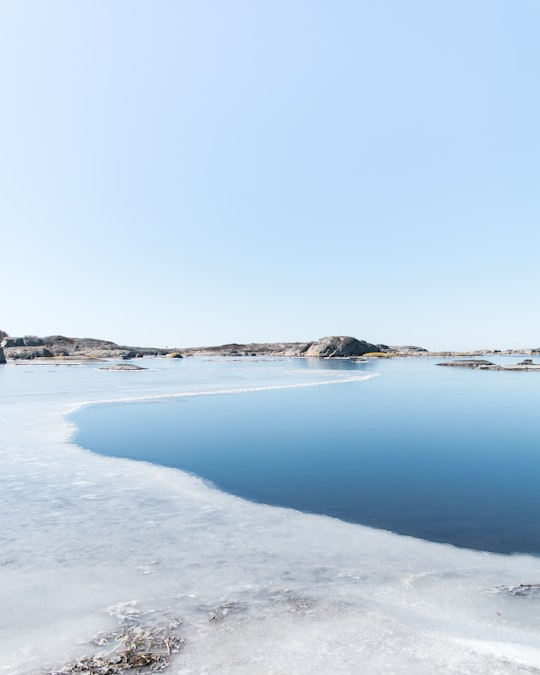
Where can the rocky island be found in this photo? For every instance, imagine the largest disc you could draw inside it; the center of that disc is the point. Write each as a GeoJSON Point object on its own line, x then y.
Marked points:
{"type": "Point", "coordinates": [327, 347]}
{"type": "Point", "coordinates": [484, 364]}
{"type": "Point", "coordinates": [59, 348]}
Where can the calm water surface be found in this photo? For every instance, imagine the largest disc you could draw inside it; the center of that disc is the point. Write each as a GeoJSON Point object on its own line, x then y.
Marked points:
{"type": "Point", "coordinates": [445, 454]}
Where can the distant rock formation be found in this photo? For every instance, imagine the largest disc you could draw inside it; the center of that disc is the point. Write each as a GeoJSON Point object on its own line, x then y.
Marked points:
{"type": "Point", "coordinates": [12, 342]}
{"type": "Point", "coordinates": [407, 349]}
{"type": "Point", "coordinates": [484, 364]}
{"type": "Point", "coordinates": [340, 346]}
{"type": "Point", "coordinates": [25, 352]}
{"type": "Point", "coordinates": [328, 347]}
{"type": "Point", "coordinates": [250, 349]}
{"type": "Point", "coordinates": [123, 366]}
{"type": "Point", "coordinates": [468, 363]}
{"type": "Point", "coordinates": [62, 347]}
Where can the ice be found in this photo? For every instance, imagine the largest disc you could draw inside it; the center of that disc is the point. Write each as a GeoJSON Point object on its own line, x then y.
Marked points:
{"type": "Point", "coordinates": [88, 543]}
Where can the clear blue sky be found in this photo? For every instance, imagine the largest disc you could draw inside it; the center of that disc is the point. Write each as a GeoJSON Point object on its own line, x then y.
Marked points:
{"type": "Point", "coordinates": [201, 172]}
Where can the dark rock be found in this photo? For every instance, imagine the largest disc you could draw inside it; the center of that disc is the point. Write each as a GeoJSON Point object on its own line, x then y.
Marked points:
{"type": "Point", "coordinates": [2, 357]}
{"type": "Point", "coordinates": [32, 341]}
{"type": "Point", "coordinates": [340, 346]}
{"type": "Point", "coordinates": [13, 342]}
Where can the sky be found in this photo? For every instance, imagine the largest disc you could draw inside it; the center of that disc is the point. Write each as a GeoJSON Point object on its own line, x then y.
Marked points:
{"type": "Point", "coordinates": [206, 171]}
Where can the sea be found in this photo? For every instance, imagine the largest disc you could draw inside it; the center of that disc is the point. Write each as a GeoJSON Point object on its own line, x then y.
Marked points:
{"type": "Point", "coordinates": [286, 515]}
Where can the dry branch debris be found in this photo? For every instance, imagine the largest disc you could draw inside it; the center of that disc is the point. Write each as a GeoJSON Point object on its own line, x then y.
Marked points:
{"type": "Point", "coordinates": [129, 649]}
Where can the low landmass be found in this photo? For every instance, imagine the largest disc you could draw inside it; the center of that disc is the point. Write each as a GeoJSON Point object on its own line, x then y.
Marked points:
{"type": "Point", "coordinates": [59, 348]}
{"type": "Point", "coordinates": [123, 366]}
{"type": "Point", "coordinates": [484, 364]}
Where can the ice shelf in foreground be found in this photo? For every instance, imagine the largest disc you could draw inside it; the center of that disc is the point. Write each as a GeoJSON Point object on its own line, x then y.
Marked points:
{"type": "Point", "coordinates": [88, 543]}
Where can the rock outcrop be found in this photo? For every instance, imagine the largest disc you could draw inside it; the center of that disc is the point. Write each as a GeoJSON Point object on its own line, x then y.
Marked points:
{"type": "Point", "coordinates": [406, 349]}
{"type": "Point", "coordinates": [340, 346]}
{"type": "Point", "coordinates": [250, 349]}
{"type": "Point", "coordinates": [2, 357]}
{"type": "Point", "coordinates": [123, 366]}
{"type": "Point", "coordinates": [62, 347]}
{"type": "Point", "coordinates": [12, 342]}
{"type": "Point", "coordinates": [468, 363]}
{"type": "Point", "coordinates": [15, 353]}
{"type": "Point", "coordinates": [328, 347]}
{"type": "Point", "coordinates": [484, 364]}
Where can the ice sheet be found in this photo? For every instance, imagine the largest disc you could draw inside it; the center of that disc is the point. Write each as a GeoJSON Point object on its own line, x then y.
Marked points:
{"type": "Point", "coordinates": [87, 539]}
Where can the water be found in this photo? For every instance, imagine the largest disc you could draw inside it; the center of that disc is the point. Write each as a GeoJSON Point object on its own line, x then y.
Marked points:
{"type": "Point", "coordinates": [448, 455]}
{"type": "Point", "coordinates": [89, 542]}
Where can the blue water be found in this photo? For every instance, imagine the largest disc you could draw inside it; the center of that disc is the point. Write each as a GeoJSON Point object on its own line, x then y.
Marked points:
{"type": "Point", "coordinates": [445, 454]}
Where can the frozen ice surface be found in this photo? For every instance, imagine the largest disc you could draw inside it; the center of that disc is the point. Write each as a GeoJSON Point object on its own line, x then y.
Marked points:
{"type": "Point", "coordinates": [86, 540]}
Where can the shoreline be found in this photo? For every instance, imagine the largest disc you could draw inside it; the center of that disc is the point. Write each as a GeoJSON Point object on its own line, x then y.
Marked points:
{"type": "Point", "coordinates": [71, 351]}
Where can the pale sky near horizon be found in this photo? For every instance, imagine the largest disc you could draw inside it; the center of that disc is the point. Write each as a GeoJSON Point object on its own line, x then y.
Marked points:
{"type": "Point", "coordinates": [202, 172]}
